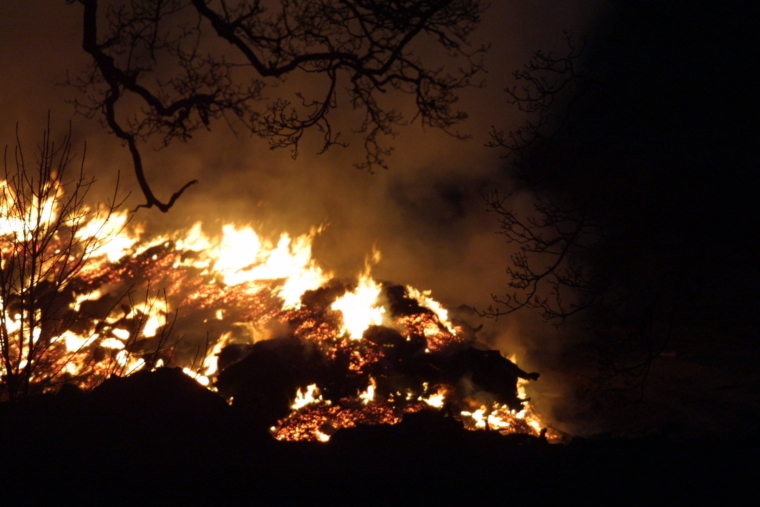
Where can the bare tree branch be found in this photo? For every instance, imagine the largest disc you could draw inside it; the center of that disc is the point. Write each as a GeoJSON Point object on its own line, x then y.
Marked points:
{"type": "Point", "coordinates": [165, 56]}
{"type": "Point", "coordinates": [47, 235]}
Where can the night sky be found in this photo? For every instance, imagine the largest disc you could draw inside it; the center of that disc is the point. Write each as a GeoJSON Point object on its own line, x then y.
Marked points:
{"type": "Point", "coordinates": [425, 213]}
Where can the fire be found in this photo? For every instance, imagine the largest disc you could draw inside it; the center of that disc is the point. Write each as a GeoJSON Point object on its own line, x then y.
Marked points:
{"type": "Point", "coordinates": [232, 291]}
{"type": "Point", "coordinates": [369, 395]}
{"type": "Point", "coordinates": [41, 214]}
{"type": "Point", "coordinates": [309, 396]}
{"type": "Point", "coordinates": [242, 258]}
{"type": "Point", "coordinates": [428, 302]}
{"type": "Point", "coordinates": [112, 241]}
{"type": "Point", "coordinates": [435, 400]}
{"type": "Point", "coordinates": [359, 308]}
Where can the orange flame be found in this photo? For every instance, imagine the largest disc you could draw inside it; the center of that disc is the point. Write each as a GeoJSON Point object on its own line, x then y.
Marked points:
{"type": "Point", "coordinates": [243, 286]}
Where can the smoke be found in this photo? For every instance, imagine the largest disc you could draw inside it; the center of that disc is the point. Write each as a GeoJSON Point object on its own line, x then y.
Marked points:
{"type": "Point", "coordinates": [425, 214]}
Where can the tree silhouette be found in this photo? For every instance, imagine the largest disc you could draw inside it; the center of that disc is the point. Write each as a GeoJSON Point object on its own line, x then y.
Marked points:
{"type": "Point", "coordinates": [48, 233]}
{"type": "Point", "coordinates": [165, 68]}
{"type": "Point", "coordinates": [643, 179]}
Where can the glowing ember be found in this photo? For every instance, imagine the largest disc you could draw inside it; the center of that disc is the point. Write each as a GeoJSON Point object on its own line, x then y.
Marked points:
{"type": "Point", "coordinates": [319, 422]}
{"type": "Point", "coordinates": [371, 350]}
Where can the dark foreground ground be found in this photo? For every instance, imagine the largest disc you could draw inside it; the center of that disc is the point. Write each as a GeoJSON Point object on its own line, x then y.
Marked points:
{"type": "Point", "coordinates": [160, 439]}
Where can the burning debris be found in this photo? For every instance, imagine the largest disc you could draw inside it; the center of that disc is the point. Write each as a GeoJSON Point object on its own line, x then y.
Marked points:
{"type": "Point", "coordinates": [293, 349]}
{"type": "Point", "coordinates": [317, 378]}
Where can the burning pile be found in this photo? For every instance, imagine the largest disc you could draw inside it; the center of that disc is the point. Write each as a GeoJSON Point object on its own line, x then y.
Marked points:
{"type": "Point", "coordinates": [297, 351]}
{"type": "Point", "coordinates": [411, 360]}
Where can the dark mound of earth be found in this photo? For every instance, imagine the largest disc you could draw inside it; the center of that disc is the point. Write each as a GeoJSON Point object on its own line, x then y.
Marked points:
{"type": "Point", "coordinates": [161, 439]}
